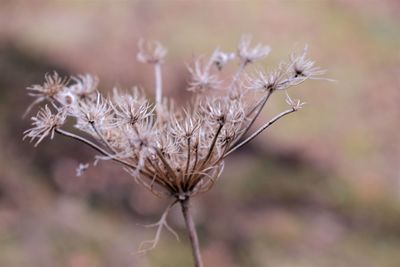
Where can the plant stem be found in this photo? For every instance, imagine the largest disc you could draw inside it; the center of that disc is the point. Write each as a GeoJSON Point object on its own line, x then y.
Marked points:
{"type": "Point", "coordinates": [194, 240]}
{"type": "Point", "coordinates": [157, 74]}
{"type": "Point", "coordinates": [262, 128]}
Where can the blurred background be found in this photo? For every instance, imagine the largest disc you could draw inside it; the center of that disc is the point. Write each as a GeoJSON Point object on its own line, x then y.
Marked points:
{"type": "Point", "coordinates": [320, 189]}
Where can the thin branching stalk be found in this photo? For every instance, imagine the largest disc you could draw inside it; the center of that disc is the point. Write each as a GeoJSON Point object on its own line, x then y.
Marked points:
{"type": "Point", "coordinates": [162, 223]}
{"type": "Point", "coordinates": [101, 137]}
{"type": "Point", "coordinates": [188, 157]}
{"type": "Point", "coordinates": [237, 75]}
{"type": "Point", "coordinates": [261, 129]}
{"type": "Point", "coordinates": [171, 172]}
{"type": "Point", "coordinates": [158, 78]}
{"type": "Point", "coordinates": [258, 108]}
{"type": "Point", "coordinates": [211, 149]}
{"type": "Point", "coordinates": [99, 149]}
{"type": "Point", "coordinates": [93, 145]}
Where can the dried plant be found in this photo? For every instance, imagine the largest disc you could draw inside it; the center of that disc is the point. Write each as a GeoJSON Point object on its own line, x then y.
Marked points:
{"type": "Point", "coordinates": [176, 153]}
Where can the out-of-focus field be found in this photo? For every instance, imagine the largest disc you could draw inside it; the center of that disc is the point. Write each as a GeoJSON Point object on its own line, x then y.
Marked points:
{"type": "Point", "coordinates": [320, 189]}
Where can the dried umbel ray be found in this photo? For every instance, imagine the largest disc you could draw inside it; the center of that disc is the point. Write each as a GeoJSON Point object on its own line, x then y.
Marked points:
{"type": "Point", "coordinates": [174, 152]}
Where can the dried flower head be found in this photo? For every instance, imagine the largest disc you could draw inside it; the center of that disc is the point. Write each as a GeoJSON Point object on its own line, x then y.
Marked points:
{"type": "Point", "coordinates": [249, 55]}
{"type": "Point", "coordinates": [45, 123]}
{"type": "Point", "coordinates": [173, 152]}
{"type": "Point", "coordinates": [53, 85]}
{"type": "Point", "coordinates": [202, 77]}
{"type": "Point", "coordinates": [95, 113]}
{"type": "Point", "coordinates": [130, 108]}
{"type": "Point", "coordinates": [263, 81]}
{"type": "Point", "coordinates": [220, 59]}
{"type": "Point", "coordinates": [295, 104]}
{"type": "Point", "coordinates": [303, 68]}
{"type": "Point", "coordinates": [84, 86]}
{"type": "Point", "coordinates": [151, 52]}
{"type": "Point", "coordinates": [178, 151]}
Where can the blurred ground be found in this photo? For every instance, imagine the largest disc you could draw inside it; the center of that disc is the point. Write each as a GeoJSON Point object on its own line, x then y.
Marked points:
{"type": "Point", "coordinates": [321, 188]}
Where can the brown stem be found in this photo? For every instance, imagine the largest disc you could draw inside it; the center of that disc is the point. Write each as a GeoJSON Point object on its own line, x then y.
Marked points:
{"type": "Point", "coordinates": [102, 151]}
{"type": "Point", "coordinates": [262, 128]}
{"type": "Point", "coordinates": [194, 240]}
{"type": "Point", "coordinates": [214, 141]}
{"type": "Point", "coordinates": [258, 108]}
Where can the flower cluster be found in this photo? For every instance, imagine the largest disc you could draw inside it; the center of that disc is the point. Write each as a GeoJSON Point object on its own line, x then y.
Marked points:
{"type": "Point", "coordinates": [173, 152]}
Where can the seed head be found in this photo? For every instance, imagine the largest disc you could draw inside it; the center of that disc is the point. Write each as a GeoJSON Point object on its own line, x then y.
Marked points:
{"type": "Point", "coordinates": [220, 59]}
{"type": "Point", "coordinates": [130, 108]}
{"type": "Point", "coordinates": [202, 78]}
{"type": "Point", "coordinates": [249, 55]}
{"type": "Point", "coordinates": [303, 68]}
{"type": "Point", "coordinates": [52, 85]}
{"type": "Point", "coordinates": [294, 104]}
{"type": "Point", "coordinates": [44, 124]}
{"type": "Point", "coordinates": [84, 86]}
{"type": "Point", "coordinates": [151, 52]}
{"type": "Point", "coordinates": [178, 152]}
{"type": "Point", "coordinates": [90, 113]}
{"type": "Point", "coordinates": [264, 81]}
